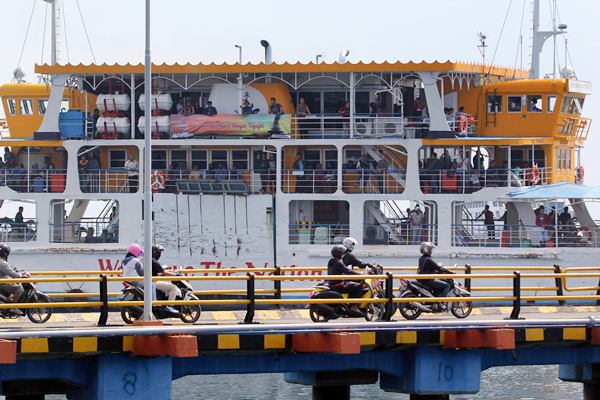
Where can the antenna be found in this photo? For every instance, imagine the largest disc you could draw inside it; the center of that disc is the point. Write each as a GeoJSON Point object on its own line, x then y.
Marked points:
{"type": "Point", "coordinates": [55, 15]}
{"type": "Point", "coordinates": [482, 46]}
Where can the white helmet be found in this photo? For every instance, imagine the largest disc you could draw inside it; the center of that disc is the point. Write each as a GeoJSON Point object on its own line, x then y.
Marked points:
{"type": "Point", "coordinates": [349, 243]}
{"type": "Point", "coordinates": [427, 247]}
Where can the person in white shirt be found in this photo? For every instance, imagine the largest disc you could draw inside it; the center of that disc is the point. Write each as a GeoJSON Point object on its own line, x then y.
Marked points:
{"type": "Point", "coordinates": [133, 173]}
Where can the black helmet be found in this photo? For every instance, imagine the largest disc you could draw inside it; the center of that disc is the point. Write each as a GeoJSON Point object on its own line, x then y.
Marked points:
{"type": "Point", "coordinates": [157, 250]}
{"type": "Point", "coordinates": [4, 251]}
{"type": "Point", "coordinates": [338, 251]}
{"type": "Point", "coordinates": [427, 247]}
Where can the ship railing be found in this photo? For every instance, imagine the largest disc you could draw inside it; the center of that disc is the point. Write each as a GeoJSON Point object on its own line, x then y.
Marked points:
{"type": "Point", "coordinates": [32, 180]}
{"type": "Point", "coordinates": [578, 127]}
{"type": "Point", "coordinates": [112, 180]}
{"type": "Point", "coordinates": [85, 230]}
{"type": "Point", "coordinates": [510, 285]}
{"type": "Point", "coordinates": [11, 231]}
{"type": "Point", "coordinates": [374, 181]}
{"type": "Point", "coordinates": [524, 236]}
{"type": "Point", "coordinates": [309, 180]}
{"type": "Point", "coordinates": [399, 233]}
{"type": "Point", "coordinates": [306, 232]}
{"type": "Point", "coordinates": [461, 181]}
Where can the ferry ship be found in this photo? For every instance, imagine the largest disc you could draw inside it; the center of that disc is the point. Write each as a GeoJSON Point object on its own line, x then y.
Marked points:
{"type": "Point", "coordinates": [271, 164]}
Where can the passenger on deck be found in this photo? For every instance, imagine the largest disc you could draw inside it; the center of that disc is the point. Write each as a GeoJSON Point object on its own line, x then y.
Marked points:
{"type": "Point", "coordinates": [195, 173]}
{"type": "Point", "coordinates": [298, 167]}
{"type": "Point", "coordinates": [488, 220]}
{"type": "Point", "coordinates": [275, 107]}
{"type": "Point", "coordinates": [188, 108]}
{"type": "Point", "coordinates": [416, 219]}
{"type": "Point", "coordinates": [246, 107]}
{"type": "Point", "coordinates": [221, 173]}
{"type": "Point", "coordinates": [344, 111]}
{"type": "Point", "coordinates": [210, 109]}
{"type": "Point", "coordinates": [542, 221]}
{"type": "Point", "coordinates": [9, 158]}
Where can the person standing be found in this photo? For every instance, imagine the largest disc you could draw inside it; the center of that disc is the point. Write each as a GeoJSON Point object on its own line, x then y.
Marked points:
{"type": "Point", "coordinates": [488, 221]}
{"type": "Point", "coordinates": [299, 172]}
{"type": "Point", "coordinates": [415, 219]}
{"type": "Point", "coordinates": [133, 173]}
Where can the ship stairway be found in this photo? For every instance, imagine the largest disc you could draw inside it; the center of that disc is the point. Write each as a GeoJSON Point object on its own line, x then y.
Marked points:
{"type": "Point", "coordinates": [105, 215]}
{"type": "Point", "coordinates": [396, 158]}
{"type": "Point", "coordinates": [388, 216]}
{"type": "Point", "coordinates": [462, 235]}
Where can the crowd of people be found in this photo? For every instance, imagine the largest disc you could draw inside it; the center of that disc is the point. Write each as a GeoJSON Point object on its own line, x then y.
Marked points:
{"type": "Point", "coordinates": [35, 178]}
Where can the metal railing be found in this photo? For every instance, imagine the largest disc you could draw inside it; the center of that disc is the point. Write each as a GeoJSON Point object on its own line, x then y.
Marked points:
{"type": "Point", "coordinates": [511, 281]}
{"type": "Point", "coordinates": [399, 233]}
{"type": "Point", "coordinates": [524, 236]}
{"type": "Point", "coordinates": [373, 181]}
{"type": "Point", "coordinates": [86, 230]}
{"type": "Point", "coordinates": [457, 181]}
{"type": "Point", "coordinates": [11, 231]}
{"type": "Point", "coordinates": [310, 181]}
{"type": "Point", "coordinates": [311, 233]}
{"type": "Point", "coordinates": [34, 180]}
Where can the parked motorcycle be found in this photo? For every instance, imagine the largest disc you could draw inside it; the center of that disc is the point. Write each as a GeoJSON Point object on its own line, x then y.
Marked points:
{"type": "Point", "coordinates": [30, 295]}
{"type": "Point", "coordinates": [372, 288]}
{"type": "Point", "coordinates": [187, 313]}
{"type": "Point", "coordinates": [415, 289]}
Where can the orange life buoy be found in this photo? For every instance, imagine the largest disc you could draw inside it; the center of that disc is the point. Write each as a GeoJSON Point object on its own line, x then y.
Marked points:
{"type": "Point", "coordinates": [535, 174]}
{"type": "Point", "coordinates": [159, 179]}
{"type": "Point", "coordinates": [579, 174]}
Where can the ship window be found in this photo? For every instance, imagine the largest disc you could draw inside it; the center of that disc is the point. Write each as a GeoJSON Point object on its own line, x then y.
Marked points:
{"type": "Point", "coordinates": [218, 157]}
{"type": "Point", "coordinates": [12, 231]}
{"type": "Point", "coordinates": [311, 158]}
{"type": "Point", "coordinates": [318, 222]}
{"type": "Point", "coordinates": [494, 104]}
{"type": "Point", "coordinates": [116, 158]}
{"type": "Point", "coordinates": [333, 101]}
{"type": "Point", "coordinates": [551, 104]}
{"type": "Point", "coordinates": [564, 108]}
{"type": "Point", "coordinates": [330, 159]}
{"type": "Point", "coordinates": [26, 107]}
{"type": "Point", "coordinates": [179, 159]}
{"type": "Point", "coordinates": [199, 159]}
{"type": "Point", "coordinates": [159, 159]}
{"type": "Point", "coordinates": [42, 105]}
{"type": "Point", "coordinates": [577, 105]}
{"type": "Point", "coordinates": [534, 103]}
{"type": "Point", "coordinates": [514, 103]}
{"type": "Point", "coordinates": [239, 159]}
{"type": "Point", "coordinates": [12, 106]}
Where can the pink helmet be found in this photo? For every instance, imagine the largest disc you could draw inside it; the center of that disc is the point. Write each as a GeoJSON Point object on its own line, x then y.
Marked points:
{"type": "Point", "coordinates": [136, 250]}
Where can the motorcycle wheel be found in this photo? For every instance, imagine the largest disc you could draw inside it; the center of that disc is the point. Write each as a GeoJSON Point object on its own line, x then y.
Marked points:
{"type": "Point", "coordinates": [374, 311]}
{"type": "Point", "coordinates": [461, 309]}
{"type": "Point", "coordinates": [191, 313]}
{"type": "Point", "coordinates": [39, 315]}
{"type": "Point", "coordinates": [128, 315]}
{"type": "Point", "coordinates": [315, 316]}
{"type": "Point", "coordinates": [407, 310]}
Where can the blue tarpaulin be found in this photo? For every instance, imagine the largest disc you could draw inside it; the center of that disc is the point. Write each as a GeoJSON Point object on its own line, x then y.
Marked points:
{"type": "Point", "coordinates": [557, 191]}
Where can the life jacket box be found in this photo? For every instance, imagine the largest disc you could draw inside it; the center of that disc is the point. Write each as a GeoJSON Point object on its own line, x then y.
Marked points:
{"type": "Point", "coordinates": [57, 183]}
{"type": "Point", "coordinates": [71, 124]}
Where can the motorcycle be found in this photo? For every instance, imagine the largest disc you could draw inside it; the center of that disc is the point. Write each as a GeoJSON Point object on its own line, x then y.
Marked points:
{"type": "Point", "coordinates": [372, 288]}
{"type": "Point", "coordinates": [187, 313]}
{"type": "Point", "coordinates": [415, 289]}
{"type": "Point", "coordinates": [30, 295]}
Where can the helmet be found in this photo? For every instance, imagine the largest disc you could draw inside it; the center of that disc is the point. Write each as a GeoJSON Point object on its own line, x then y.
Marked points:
{"type": "Point", "coordinates": [4, 251]}
{"type": "Point", "coordinates": [157, 250]}
{"type": "Point", "coordinates": [349, 243]}
{"type": "Point", "coordinates": [338, 251]}
{"type": "Point", "coordinates": [426, 247]}
{"type": "Point", "coordinates": [135, 249]}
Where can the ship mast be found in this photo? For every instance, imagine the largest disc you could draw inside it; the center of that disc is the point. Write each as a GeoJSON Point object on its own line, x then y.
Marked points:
{"type": "Point", "coordinates": [539, 37]}
{"type": "Point", "coordinates": [54, 44]}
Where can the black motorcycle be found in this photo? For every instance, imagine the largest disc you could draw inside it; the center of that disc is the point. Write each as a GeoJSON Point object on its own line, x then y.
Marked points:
{"type": "Point", "coordinates": [187, 313]}
{"type": "Point", "coordinates": [416, 289]}
{"type": "Point", "coordinates": [372, 288]}
{"type": "Point", "coordinates": [30, 295]}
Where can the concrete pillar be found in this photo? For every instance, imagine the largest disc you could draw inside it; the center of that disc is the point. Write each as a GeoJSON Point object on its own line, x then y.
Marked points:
{"type": "Point", "coordinates": [121, 376]}
{"type": "Point", "coordinates": [341, 392]}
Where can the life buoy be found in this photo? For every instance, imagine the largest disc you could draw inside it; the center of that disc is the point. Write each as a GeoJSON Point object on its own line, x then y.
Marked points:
{"type": "Point", "coordinates": [159, 179]}
{"type": "Point", "coordinates": [535, 175]}
{"type": "Point", "coordinates": [579, 174]}
{"type": "Point", "coordinates": [586, 233]}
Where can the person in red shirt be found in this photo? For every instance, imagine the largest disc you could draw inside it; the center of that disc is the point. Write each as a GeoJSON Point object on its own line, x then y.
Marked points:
{"type": "Point", "coordinates": [488, 220]}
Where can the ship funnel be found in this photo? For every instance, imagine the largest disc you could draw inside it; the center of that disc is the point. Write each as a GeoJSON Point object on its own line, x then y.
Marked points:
{"type": "Point", "coordinates": [343, 57]}
{"type": "Point", "coordinates": [268, 52]}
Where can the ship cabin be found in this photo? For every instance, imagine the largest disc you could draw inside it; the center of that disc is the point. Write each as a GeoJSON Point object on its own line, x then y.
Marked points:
{"type": "Point", "coordinates": [389, 153]}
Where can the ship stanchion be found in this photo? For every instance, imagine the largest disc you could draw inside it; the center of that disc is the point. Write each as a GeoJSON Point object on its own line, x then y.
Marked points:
{"type": "Point", "coordinates": [389, 295]}
{"type": "Point", "coordinates": [250, 296]}
{"type": "Point", "coordinates": [559, 284]}
{"type": "Point", "coordinates": [277, 286]}
{"type": "Point", "coordinates": [104, 299]}
{"type": "Point", "coordinates": [517, 296]}
{"type": "Point", "coordinates": [468, 280]}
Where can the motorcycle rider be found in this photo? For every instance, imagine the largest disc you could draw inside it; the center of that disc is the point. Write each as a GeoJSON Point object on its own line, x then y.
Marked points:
{"type": "Point", "coordinates": [6, 271]}
{"type": "Point", "coordinates": [335, 266]}
{"type": "Point", "coordinates": [132, 266]}
{"type": "Point", "coordinates": [350, 259]}
{"type": "Point", "coordinates": [437, 287]}
{"type": "Point", "coordinates": [168, 288]}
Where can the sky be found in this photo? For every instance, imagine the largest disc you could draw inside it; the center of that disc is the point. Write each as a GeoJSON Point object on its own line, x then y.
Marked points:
{"type": "Point", "coordinates": [202, 31]}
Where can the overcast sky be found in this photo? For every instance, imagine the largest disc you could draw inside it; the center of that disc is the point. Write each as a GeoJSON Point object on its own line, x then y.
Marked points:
{"type": "Point", "coordinates": [193, 31]}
